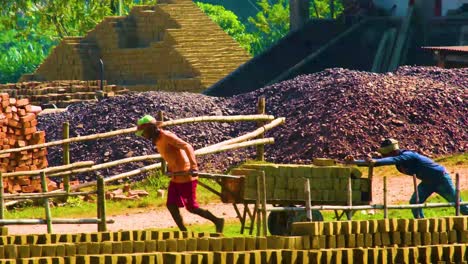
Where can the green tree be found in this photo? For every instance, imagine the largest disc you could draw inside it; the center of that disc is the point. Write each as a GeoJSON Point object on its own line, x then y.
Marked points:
{"type": "Point", "coordinates": [230, 23]}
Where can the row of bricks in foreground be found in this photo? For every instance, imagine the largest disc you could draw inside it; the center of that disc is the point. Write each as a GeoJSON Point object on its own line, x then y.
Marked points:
{"type": "Point", "coordinates": [428, 254]}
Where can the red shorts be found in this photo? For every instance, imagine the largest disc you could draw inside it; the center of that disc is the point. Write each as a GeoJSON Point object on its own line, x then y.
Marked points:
{"type": "Point", "coordinates": [183, 194]}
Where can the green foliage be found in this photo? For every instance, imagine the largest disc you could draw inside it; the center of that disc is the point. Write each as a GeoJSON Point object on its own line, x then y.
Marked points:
{"type": "Point", "coordinates": [230, 23]}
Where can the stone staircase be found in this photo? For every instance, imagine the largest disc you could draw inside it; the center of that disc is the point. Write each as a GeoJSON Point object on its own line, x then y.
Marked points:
{"type": "Point", "coordinates": [171, 46]}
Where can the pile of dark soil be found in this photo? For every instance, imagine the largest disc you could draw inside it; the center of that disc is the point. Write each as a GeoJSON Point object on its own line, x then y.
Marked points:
{"type": "Point", "coordinates": [328, 114]}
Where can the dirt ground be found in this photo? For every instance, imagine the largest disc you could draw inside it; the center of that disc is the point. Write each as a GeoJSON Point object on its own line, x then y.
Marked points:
{"type": "Point", "coordinates": [401, 188]}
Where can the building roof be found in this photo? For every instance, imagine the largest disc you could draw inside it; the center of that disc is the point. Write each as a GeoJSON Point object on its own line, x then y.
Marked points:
{"type": "Point", "coordinates": [463, 49]}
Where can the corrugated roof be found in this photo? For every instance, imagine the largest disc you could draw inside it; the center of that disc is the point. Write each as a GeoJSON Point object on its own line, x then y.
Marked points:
{"type": "Point", "coordinates": [463, 49]}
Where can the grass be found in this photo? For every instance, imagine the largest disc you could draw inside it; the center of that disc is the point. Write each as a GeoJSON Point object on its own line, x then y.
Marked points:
{"type": "Point", "coordinates": [77, 208]}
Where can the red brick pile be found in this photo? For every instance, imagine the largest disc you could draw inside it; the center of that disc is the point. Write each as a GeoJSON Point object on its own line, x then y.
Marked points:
{"type": "Point", "coordinates": [18, 129]}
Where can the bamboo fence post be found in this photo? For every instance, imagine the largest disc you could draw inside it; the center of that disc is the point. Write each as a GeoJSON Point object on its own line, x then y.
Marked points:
{"type": "Point", "coordinates": [163, 162]}
{"type": "Point", "coordinates": [261, 110]}
{"type": "Point", "coordinates": [46, 203]}
{"type": "Point", "coordinates": [385, 197]}
{"type": "Point", "coordinates": [308, 200]}
{"type": "Point", "coordinates": [417, 195]}
{"type": "Point", "coordinates": [264, 217]}
{"type": "Point", "coordinates": [2, 201]}
{"type": "Point", "coordinates": [457, 194]}
{"type": "Point", "coordinates": [257, 207]}
{"type": "Point", "coordinates": [101, 200]}
{"type": "Point", "coordinates": [349, 213]}
{"type": "Point", "coordinates": [66, 156]}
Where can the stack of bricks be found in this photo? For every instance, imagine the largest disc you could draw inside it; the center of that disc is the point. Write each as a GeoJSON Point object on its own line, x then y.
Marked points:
{"type": "Point", "coordinates": [61, 93]}
{"type": "Point", "coordinates": [18, 129]}
{"type": "Point", "coordinates": [285, 182]}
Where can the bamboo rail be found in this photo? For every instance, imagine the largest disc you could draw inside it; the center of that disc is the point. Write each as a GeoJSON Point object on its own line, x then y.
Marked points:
{"type": "Point", "coordinates": [48, 170]}
{"type": "Point", "coordinates": [134, 129]}
{"type": "Point", "coordinates": [53, 221]}
{"type": "Point", "coordinates": [22, 196]}
{"type": "Point", "coordinates": [232, 141]}
{"type": "Point", "coordinates": [202, 151]}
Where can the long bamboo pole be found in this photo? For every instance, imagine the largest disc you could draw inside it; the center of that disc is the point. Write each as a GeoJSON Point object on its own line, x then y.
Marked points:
{"type": "Point", "coordinates": [54, 221]}
{"type": "Point", "coordinates": [49, 170]}
{"type": "Point", "coordinates": [261, 110]}
{"type": "Point", "coordinates": [23, 196]}
{"type": "Point", "coordinates": [66, 154]}
{"type": "Point", "coordinates": [163, 162]}
{"type": "Point", "coordinates": [46, 204]}
{"type": "Point", "coordinates": [134, 129]}
{"type": "Point", "coordinates": [365, 207]}
{"type": "Point", "coordinates": [232, 141]}
{"type": "Point", "coordinates": [2, 200]}
{"type": "Point", "coordinates": [102, 227]}
{"type": "Point", "coordinates": [308, 199]}
{"type": "Point", "coordinates": [199, 152]}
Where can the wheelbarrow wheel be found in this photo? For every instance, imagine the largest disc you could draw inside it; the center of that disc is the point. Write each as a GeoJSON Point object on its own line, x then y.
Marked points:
{"type": "Point", "coordinates": [279, 223]}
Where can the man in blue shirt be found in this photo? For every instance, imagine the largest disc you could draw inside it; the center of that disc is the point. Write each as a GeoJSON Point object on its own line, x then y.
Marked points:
{"type": "Point", "coordinates": [434, 177]}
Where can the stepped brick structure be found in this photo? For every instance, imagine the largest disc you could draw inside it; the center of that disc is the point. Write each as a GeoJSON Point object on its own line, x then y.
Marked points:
{"type": "Point", "coordinates": [170, 46]}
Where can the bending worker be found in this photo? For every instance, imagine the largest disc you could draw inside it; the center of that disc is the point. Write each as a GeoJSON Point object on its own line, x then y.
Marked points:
{"type": "Point", "coordinates": [182, 165]}
{"type": "Point", "coordinates": [434, 177]}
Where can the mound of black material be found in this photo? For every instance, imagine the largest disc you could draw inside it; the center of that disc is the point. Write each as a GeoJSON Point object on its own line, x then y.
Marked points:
{"type": "Point", "coordinates": [328, 114]}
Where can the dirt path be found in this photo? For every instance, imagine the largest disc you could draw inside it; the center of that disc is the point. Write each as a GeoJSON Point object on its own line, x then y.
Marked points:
{"type": "Point", "coordinates": [401, 189]}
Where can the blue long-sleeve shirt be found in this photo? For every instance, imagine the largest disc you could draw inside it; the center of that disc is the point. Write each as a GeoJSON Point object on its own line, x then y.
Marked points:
{"type": "Point", "coordinates": [410, 162]}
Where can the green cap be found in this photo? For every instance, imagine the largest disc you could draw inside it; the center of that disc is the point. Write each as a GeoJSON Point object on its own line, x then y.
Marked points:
{"type": "Point", "coordinates": [144, 120]}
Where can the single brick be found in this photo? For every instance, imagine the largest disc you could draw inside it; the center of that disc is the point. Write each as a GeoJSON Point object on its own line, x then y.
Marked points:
{"type": "Point", "coordinates": [463, 236]}
{"type": "Point", "coordinates": [364, 226]}
{"type": "Point", "coordinates": [433, 225]}
{"type": "Point", "coordinates": [328, 228]}
{"type": "Point", "coordinates": [23, 251]}
{"type": "Point", "coordinates": [93, 248]}
{"type": "Point", "coordinates": [448, 253]}
{"type": "Point", "coordinates": [171, 245]}
{"type": "Point", "coordinates": [402, 255]}
{"type": "Point", "coordinates": [413, 225]}
{"type": "Point", "coordinates": [127, 247]}
{"type": "Point", "coordinates": [306, 244]}
{"type": "Point", "coordinates": [360, 255]}
{"type": "Point", "coordinates": [356, 227]}
{"type": "Point", "coordinates": [461, 254]}
{"type": "Point", "coordinates": [424, 254]}
{"type": "Point", "coordinates": [331, 242]}
{"type": "Point", "coordinates": [442, 224]}
{"type": "Point", "coordinates": [138, 246]}
{"type": "Point", "coordinates": [386, 241]}
{"type": "Point", "coordinates": [70, 249]}
{"type": "Point", "coordinates": [323, 241]}
{"type": "Point", "coordinates": [360, 240]}
{"type": "Point", "coordinates": [435, 238]}
{"type": "Point", "coordinates": [443, 238]}
{"type": "Point", "coordinates": [261, 243]}
{"type": "Point", "coordinates": [346, 227]}
{"type": "Point", "coordinates": [377, 239]}
{"type": "Point", "coordinates": [239, 244]}
{"type": "Point", "coordinates": [384, 225]}
{"type": "Point", "coordinates": [340, 241]}
{"type": "Point", "coordinates": [337, 227]}
{"type": "Point", "coordinates": [396, 238]}
{"type": "Point", "coordinates": [117, 247]}
{"type": "Point", "coordinates": [373, 226]}
{"type": "Point", "coordinates": [426, 238]}
{"type": "Point", "coordinates": [368, 242]}
{"type": "Point", "coordinates": [393, 224]}
{"type": "Point", "coordinates": [288, 256]}
{"type": "Point", "coordinates": [350, 240]}
{"type": "Point", "coordinates": [227, 244]}
{"type": "Point", "coordinates": [373, 255]}
{"type": "Point", "coordinates": [250, 243]}
{"type": "Point", "coordinates": [460, 223]}
{"type": "Point", "coordinates": [315, 256]}
{"type": "Point", "coordinates": [407, 239]}
{"type": "Point", "coordinates": [452, 236]}
{"type": "Point", "coordinates": [416, 239]}
{"type": "Point", "coordinates": [169, 257]}
{"type": "Point", "coordinates": [403, 225]}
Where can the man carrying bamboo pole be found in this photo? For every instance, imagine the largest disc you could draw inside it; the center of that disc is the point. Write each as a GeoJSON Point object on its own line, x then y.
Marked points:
{"type": "Point", "coordinates": [182, 165]}
{"type": "Point", "coordinates": [434, 177]}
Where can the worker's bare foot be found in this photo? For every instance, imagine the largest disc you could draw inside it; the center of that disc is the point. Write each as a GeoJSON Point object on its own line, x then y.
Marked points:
{"type": "Point", "coordinates": [219, 225]}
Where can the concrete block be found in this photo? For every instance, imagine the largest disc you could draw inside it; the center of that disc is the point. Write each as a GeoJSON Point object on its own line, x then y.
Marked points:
{"type": "Point", "coordinates": [426, 238]}
{"type": "Point", "coordinates": [360, 240]}
{"type": "Point", "coordinates": [377, 239]}
{"type": "Point", "coordinates": [346, 227]}
{"type": "Point", "coordinates": [70, 250]}
{"type": "Point", "coordinates": [315, 256]}
{"type": "Point", "coordinates": [138, 246]}
{"type": "Point", "coordinates": [423, 225]}
{"type": "Point", "coordinates": [403, 225]}
{"type": "Point", "coordinates": [337, 227]}
{"type": "Point", "coordinates": [396, 238]}
{"type": "Point", "coordinates": [93, 248]}
{"type": "Point", "coordinates": [239, 244]}
{"type": "Point", "coordinates": [360, 255]}
{"type": "Point", "coordinates": [340, 241]}
{"type": "Point", "coordinates": [356, 227]}
{"type": "Point", "coordinates": [463, 236]}
{"type": "Point", "coordinates": [443, 238]}
{"type": "Point", "coordinates": [416, 239]}
{"type": "Point", "coordinates": [452, 236]}
{"type": "Point", "coordinates": [407, 239]}
{"type": "Point", "coordinates": [460, 223]}
{"type": "Point", "coordinates": [127, 247]}
{"type": "Point", "coordinates": [442, 224]}
{"type": "Point", "coordinates": [60, 250]}
{"type": "Point", "coordinates": [203, 244]}
{"type": "Point", "coordinates": [384, 225]}
{"type": "Point", "coordinates": [351, 241]}
{"type": "Point", "coordinates": [261, 243]}
{"type": "Point", "coordinates": [215, 244]}
{"type": "Point", "coordinates": [386, 241]}
{"type": "Point", "coordinates": [34, 251]}
{"type": "Point", "coordinates": [402, 255]}
{"type": "Point", "coordinates": [368, 240]}
{"type": "Point", "coordinates": [331, 242]}
{"type": "Point", "coordinates": [328, 228]}
{"type": "Point", "coordinates": [250, 243]}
